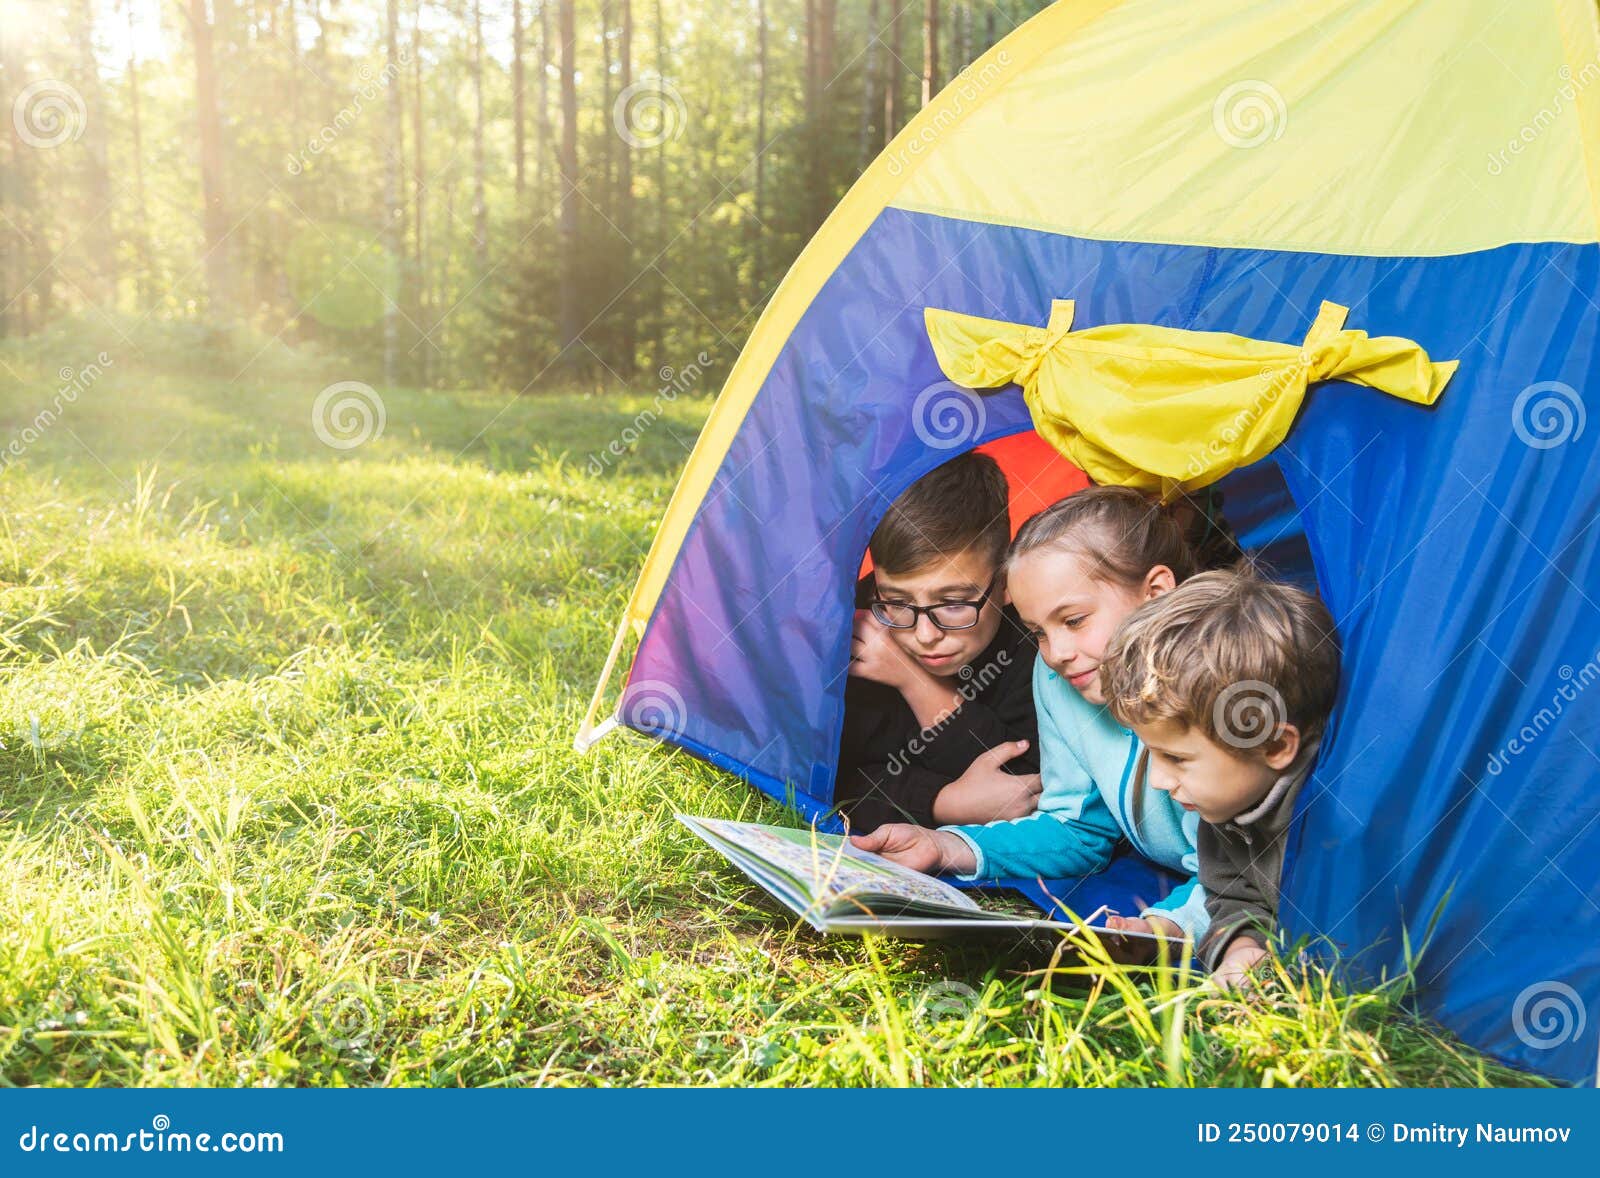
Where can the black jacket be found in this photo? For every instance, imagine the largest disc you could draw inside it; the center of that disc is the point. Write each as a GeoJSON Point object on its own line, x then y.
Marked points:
{"type": "Point", "coordinates": [890, 768]}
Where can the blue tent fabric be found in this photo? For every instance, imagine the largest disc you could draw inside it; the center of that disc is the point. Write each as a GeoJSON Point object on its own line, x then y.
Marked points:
{"type": "Point", "coordinates": [1455, 546]}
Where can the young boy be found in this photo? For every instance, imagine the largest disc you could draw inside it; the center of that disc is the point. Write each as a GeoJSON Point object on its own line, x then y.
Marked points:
{"type": "Point", "coordinates": [939, 720]}
{"type": "Point", "coordinates": [1228, 680]}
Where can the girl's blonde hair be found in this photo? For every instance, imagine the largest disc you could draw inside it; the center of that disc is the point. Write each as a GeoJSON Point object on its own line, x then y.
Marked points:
{"type": "Point", "coordinates": [1120, 534]}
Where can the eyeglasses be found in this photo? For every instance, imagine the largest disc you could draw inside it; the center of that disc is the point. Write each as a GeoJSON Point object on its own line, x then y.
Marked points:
{"type": "Point", "coordinates": [947, 615]}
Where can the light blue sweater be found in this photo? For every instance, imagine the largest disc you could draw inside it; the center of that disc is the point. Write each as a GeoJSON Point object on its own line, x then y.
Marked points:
{"type": "Point", "coordinates": [1091, 799]}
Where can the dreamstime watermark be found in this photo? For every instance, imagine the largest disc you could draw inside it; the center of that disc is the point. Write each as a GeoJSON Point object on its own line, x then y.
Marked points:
{"type": "Point", "coordinates": [954, 101]}
{"type": "Point", "coordinates": [44, 736]}
{"type": "Point", "coordinates": [366, 91]}
{"type": "Point", "coordinates": [1548, 1014]}
{"type": "Point", "coordinates": [945, 1014]}
{"type": "Point", "coordinates": [1248, 714]}
{"type": "Point", "coordinates": [49, 113]}
{"type": "Point", "coordinates": [1573, 683]}
{"type": "Point", "coordinates": [973, 681]}
{"type": "Point", "coordinates": [649, 113]}
{"type": "Point", "coordinates": [346, 1015]}
{"type": "Point", "coordinates": [674, 383]}
{"type": "Point", "coordinates": [1547, 414]}
{"type": "Point", "coordinates": [159, 1138]}
{"type": "Point", "coordinates": [74, 383]}
{"type": "Point", "coordinates": [1563, 100]}
{"type": "Point", "coordinates": [1249, 113]}
{"type": "Point", "coordinates": [947, 416]}
{"type": "Point", "coordinates": [1281, 381]}
{"type": "Point", "coordinates": [654, 706]}
{"type": "Point", "coordinates": [348, 414]}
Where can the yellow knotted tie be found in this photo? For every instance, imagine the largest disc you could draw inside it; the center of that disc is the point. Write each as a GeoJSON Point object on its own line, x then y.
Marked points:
{"type": "Point", "coordinates": [1163, 408]}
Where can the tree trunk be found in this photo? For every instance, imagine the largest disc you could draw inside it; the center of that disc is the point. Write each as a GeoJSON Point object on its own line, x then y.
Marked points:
{"type": "Point", "coordinates": [141, 208]}
{"type": "Point", "coordinates": [893, 71]}
{"type": "Point", "coordinates": [660, 293]}
{"type": "Point", "coordinates": [393, 210]}
{"type": "Point", "coordinates": [930, 50]}
{"type": "Point", "coordinates": [607, 160]}
{"type": "Point", "coordinates": [571, 323]}
{"type": "Point", "coordinates": [820, 19]}
{"type": "Point", "coordinates": [758, 262]}
{"type": "Point", "coordinates": [480, 205]}
{"type": "Point", "coordinates": [102, 237]}
{"type": "Point", "coordinates": [518, 113]}
{"type": "Point", "coordinates": [292, 24]}
{"type": "Point", "coordinates": [214, 208]}
{"type": "Point", "coordinates": [419, 194]}
{"type": "Point", "coordinates": [869, 88]}
{"type": "Point", "coordinates": [16, 197]}
{"type": "Point", "coordinates": [625, 298]}
{"type": "Point", "coordinates": [542, 128]}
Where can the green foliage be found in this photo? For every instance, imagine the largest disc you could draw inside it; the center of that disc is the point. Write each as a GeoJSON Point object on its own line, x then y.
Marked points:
{"type": "Point", "coordinates": [287, 792]}
{"type": "Point", "coordinates": [350, 186]}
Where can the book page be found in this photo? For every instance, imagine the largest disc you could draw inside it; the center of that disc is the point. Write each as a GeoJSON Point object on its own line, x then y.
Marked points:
{"type": "Point", "coordinates": [835, 870]}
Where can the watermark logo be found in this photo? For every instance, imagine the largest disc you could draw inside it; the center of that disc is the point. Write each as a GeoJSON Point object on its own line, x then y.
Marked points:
{"type": "Point", "coordinates": [1548, 1014]}
{"type": "Point", "coordinates": [1562, 100]}
{"type": "Point", "coordinates": [1277, 381]}
{"type": "Point", "coordinates": [674, 383]}
{"type": "Point", "coordinates": [43, 735]}
{"type": "Point", "coordinates": [654, 706]}
{"type": "Point", "coordinates": [944, 1013]}
{"type": "Point", "coordinates": [946, 416]}
{"type": "Point", "coordinates": [348, 414]}
{"type": "Point", "coordinates": [159, 1138]}
{"type": "Point", "coordinates": [74, 383]}
{"type": "Point", "coordinates": [346, 1015]}
{"type": "Point", "coordinates": [49, 113]}
{"type": "Point", "coordinates": [648, 114]}
{"type": "Point", "coordinates": [367, 89]}
{"type": "Point", "coordinates": [1249, 113]}
{"type": "Point", "coordinates": [973, 682]}
{"type": "Point", "coordinates": [1248, 714]}
{"type": "Point", "coordinates": [954, 101]}
{"type": "Point", "coordinates": [1547, 414]}
{"type": "Point", "coordinates": [1572, 684]}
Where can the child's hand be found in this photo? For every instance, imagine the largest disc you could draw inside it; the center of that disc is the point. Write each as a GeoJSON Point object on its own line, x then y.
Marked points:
{"type": "Point", "coordinates": [1155, 926]}
{"type": "Point", "coordinates": [917, 847]}
{"type": "Point", "coordinates": [987, 793]}
{"type": "Point", "coordinates": [1236, 969]}
{"type": "Point", "coordinates": [1137, 950]}
{"type": "Point", "coordinates": [876, 656]}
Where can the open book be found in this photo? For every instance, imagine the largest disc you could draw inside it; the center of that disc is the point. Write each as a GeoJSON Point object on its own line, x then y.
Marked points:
{"type": "Point", "coordinates": [838, 888]}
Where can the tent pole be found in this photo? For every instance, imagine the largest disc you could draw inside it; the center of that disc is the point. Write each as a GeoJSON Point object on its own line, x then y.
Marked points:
{"type": "Point", "coordinates": [590, 734]}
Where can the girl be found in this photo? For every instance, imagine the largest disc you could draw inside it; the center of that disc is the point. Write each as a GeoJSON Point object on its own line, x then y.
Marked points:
{"type": "Point", "coordinates": [1074, 572]}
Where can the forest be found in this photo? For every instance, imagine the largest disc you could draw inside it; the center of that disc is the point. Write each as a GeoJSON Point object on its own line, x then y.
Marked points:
{"type": "Point", "coordinates": [447, 193]}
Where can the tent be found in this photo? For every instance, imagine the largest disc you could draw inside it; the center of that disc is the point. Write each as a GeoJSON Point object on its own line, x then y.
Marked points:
{"type": "Point", "coordinates": [1225, 166]}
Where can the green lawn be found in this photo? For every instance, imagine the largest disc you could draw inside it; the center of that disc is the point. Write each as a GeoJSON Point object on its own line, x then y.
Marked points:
{"type": "Point", "coordinates": [288, 795]}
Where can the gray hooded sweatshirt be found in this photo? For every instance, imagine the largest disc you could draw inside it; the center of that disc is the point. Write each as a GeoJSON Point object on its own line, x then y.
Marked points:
{"type": "Point", "coordinates": [1241, 864]}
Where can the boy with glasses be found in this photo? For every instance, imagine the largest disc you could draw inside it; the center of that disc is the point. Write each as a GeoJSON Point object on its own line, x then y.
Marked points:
{"type": "Point", "coordinates": [939, 718]}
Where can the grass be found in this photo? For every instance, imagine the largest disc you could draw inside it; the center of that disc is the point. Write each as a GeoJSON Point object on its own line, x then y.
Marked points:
{"type": "Point", "coordinates": [287, 792]}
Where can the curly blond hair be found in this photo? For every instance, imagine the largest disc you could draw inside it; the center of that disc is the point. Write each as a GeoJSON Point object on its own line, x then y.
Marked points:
{"type": "Point", "coordinates": [1228, 653]}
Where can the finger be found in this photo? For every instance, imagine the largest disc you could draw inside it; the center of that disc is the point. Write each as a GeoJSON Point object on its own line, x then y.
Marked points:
{"type": "Point", "coordinates": [885, 838]}
{"type": "Point", "coordinates": [1001, 753]}
{"type": "Point", "coordinates": [1031, 783]}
